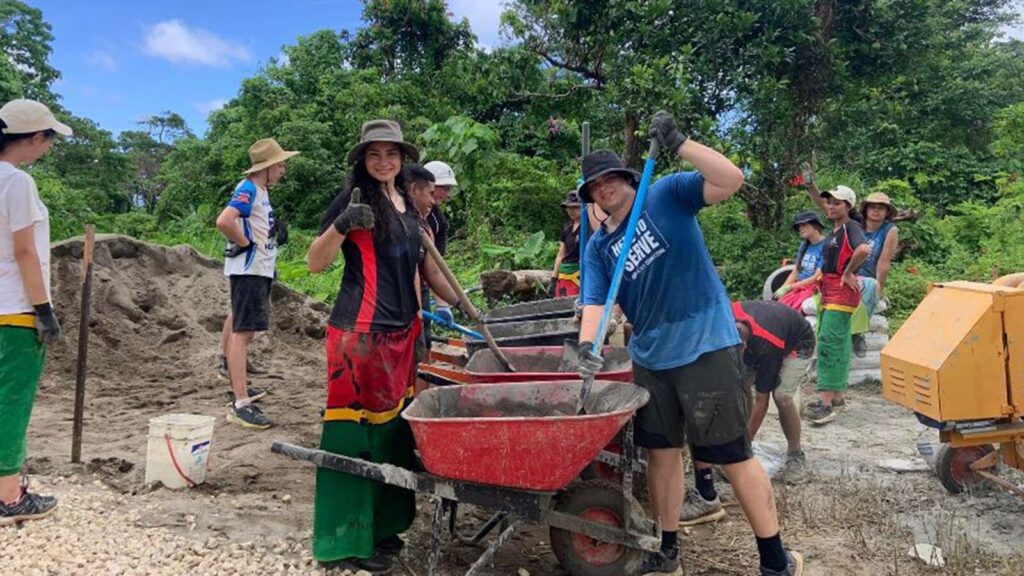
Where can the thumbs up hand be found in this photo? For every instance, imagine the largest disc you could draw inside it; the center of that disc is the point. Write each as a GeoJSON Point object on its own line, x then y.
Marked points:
{"type": "Point", "coordinates": [357, 216]}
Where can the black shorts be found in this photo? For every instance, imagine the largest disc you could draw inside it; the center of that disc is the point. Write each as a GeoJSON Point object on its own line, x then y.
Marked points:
{"type": "Point", "coordinates": [704, 403]}
{"type": "Point", "coordinates": [250, 303]}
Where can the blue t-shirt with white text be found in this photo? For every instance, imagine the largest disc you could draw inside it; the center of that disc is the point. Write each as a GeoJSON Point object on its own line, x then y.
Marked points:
{"type": "Point", "coordinates": [670, 290]}
{"type": "Point", "coordinates": [811, 260]}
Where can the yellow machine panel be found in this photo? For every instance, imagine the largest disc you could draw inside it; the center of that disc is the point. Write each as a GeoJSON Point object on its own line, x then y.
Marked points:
{"type": "Point", "coordinates": [949, 360]}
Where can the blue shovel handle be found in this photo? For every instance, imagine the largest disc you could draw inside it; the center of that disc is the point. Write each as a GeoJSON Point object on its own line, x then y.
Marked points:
{"type": "Point", "coordinates": [627, 243]}
{"type": "Point", "coordinates": [444, 322]}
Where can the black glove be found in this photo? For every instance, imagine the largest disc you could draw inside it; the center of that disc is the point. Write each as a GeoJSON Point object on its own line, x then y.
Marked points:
{"type": "Point", "coordinates": [590, 363]}
{"type": "Point", "coordinates": [357, 216]}
{"type": "Point", "coordinates": [47, 326]}
{"type": "Point", "coordinates": [282, 232]}
{"type": "Point", "coordinates": [663, 129]}
{"type": "Point", "coordinates": [232, 249]}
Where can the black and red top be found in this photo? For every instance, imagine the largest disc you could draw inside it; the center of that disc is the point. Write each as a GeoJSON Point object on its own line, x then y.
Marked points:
{"type": "Point", "coordinates": [776, 331]}
{"type": "Point", "coordinates": [835, 258]}
{"type": "Point", "coordinates": [378, 286]}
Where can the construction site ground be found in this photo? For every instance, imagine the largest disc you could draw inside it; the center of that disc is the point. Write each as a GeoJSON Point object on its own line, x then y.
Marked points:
{"type": "Point", "coordinates": [154, 341]}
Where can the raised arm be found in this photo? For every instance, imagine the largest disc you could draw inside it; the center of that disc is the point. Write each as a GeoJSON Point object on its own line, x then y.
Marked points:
{"type": "Point", "coordinates": [721, 177]}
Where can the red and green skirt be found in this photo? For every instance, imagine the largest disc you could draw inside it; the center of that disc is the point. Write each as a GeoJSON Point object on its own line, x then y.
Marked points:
{"type": "Point", "coordinates": [370, 381]}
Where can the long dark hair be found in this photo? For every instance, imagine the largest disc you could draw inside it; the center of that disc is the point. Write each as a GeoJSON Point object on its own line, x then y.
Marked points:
{"type": "Point", "coordinates": [384, 212]}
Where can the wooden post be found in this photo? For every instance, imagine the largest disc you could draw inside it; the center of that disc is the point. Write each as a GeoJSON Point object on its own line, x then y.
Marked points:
{"type": "Point", "coordinates": [83, 343]}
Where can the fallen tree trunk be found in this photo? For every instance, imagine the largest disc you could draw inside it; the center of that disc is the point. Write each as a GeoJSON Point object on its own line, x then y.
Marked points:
{"type": "Point", "coordinates": [498, 284]}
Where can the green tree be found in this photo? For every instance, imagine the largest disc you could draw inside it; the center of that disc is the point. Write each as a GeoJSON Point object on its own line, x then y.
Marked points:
{"type": "Point", "coordinates": [25, 70]}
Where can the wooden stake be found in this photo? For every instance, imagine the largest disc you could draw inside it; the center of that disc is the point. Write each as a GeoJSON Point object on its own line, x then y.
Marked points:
{"type": "Point", "coordinates": [83, 343]}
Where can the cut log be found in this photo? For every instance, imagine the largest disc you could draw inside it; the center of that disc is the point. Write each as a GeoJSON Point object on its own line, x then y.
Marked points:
{"type": "Point", "coordinates": [498, 284]}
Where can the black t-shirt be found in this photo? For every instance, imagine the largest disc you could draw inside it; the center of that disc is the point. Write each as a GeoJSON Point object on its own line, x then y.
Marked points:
{"type": "Point", "coordinates": [378, 287]}
{"type": "Point", "coordinates": [438, 223]}
{"type": "Point", "coordinates": [571, 239]}
{"type": "Point", "coordinates": [776, 332]}
{"type": "Point", "coordinates": [839, 247]}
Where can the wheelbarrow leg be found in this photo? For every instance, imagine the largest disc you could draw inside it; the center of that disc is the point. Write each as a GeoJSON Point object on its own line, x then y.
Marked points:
{"type": "Point", "coordinates": [436, 537]}
{"type": "Point", "coordinates": [498, 519]}
{"type": "Point", "coordinates": [626, 463]}
{"type": "Point", "coordinates": [488, 554]}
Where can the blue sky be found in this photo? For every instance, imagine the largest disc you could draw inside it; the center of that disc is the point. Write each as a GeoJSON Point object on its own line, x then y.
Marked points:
{"type": "Point", "coordinates": [122, 61]}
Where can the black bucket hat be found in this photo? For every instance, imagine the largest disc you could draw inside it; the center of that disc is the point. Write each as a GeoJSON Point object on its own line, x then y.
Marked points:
{"type": "Point", "coordinates": [808, 217]}
{"type": "Point", "coordinates": [599, 163]}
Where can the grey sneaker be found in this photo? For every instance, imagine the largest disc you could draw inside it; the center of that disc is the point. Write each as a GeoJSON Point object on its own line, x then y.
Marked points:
{"type": "Point", "coordinates": [697, 510]}
{"type": "Point", "coordinates": [819, 415]}
{"type": "Point", "coordinates": [796, 459]}
{"type": "Point", "coordinates": [29, 507]}
{"type": "Point", "coordinates": [795, 567]}
{"type": "Point", "coordinates": [658, 564]}
{"type": "Point", "coordinates": [249, 416]}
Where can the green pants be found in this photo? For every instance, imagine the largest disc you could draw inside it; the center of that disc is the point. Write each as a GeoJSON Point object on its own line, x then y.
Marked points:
{"type": "Point", "coordinates": [834, 350]}
{"type": "Point", "coordinates": [352, 514]}
{"type": "Point", "coordinates": [21, 364]}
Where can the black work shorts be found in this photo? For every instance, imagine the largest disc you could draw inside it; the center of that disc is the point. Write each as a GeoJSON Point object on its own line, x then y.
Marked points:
{"type": "Point", "coordinates": [704, 403]}
{"type": "Point", "coordinates": [250, 303]}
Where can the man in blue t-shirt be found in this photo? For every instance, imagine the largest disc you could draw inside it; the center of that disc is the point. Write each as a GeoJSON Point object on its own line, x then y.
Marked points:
{"type": "Point", "coordinates": [685, 346]}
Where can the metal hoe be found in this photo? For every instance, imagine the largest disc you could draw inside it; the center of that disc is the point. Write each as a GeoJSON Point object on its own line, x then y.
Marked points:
{"type": "Point", "coordinates": [465, 303]}
{"type": "Point", "coordinates": [620, 265]}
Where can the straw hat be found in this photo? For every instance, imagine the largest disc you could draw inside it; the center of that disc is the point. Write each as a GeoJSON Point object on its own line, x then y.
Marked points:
{"type": "Point", "coordinates": [28, 116]}
{"type": "Point", "coordinates": [882, 199]}
{"type": "Point", "coordinates": [265, 153]}
{"type": "Point", "coordinates": [382, 131]}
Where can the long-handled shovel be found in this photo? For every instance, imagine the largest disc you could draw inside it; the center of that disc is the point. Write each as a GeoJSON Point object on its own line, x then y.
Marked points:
{"type": "Point", "coordinates": [620, 266]}
{"type": "Point", "coordinates": [464, 302]}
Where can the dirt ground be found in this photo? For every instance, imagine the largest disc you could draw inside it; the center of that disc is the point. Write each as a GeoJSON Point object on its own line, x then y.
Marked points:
{"type": "Point", "coordinates": [154, 339]}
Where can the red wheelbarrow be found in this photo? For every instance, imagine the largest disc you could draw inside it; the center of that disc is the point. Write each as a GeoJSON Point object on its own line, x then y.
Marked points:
{"type": "Point", "coordinates": [514, 449]}
{"type": "Point", "coordinates": [543, 364]}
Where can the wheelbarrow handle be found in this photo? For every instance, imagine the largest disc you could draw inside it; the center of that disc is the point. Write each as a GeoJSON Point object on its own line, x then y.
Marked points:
{"type": "Point", "coordinates": [448, 324]}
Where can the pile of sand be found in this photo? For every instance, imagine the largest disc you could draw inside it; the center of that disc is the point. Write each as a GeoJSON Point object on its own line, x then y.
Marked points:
{"type": "Point", "coordinates": [154, 339]}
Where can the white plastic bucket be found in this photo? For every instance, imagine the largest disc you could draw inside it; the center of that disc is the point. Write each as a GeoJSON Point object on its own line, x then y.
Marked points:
{"type": "Point", "coordinates": [178, 449]}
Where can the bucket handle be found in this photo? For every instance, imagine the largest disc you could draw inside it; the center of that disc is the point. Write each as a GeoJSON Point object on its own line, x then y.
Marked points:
{"type": "Point", "coordinates": [177, 467]}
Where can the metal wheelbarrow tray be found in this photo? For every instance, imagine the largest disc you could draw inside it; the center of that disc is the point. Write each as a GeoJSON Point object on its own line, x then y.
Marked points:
{"type": "Point", "coordinates": [550, 332]}
{"type": "Point", "coordinates": [544, 364]}
{"type": "Point", "coordinates": [525, 436]}
{"type": "Point", "coordinates": [538, 310]}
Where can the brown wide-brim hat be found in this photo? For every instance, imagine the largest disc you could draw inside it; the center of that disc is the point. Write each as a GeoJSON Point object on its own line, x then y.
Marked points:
{"type": "Point", "coordinates": [882, 199]}
{"type": "Point", "coordinates": [265, 153]}
{"type": "Point", "coordinates": [382, 131]}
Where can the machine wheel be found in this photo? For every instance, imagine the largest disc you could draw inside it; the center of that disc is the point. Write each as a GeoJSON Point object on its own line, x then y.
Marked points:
{"type": "Point", "coordinates": [953, 466]}
{"type": "Point", "coordinates": [581, 555]}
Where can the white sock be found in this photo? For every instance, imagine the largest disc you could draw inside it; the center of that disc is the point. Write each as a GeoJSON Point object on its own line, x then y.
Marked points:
{"type": "Point", "coordinates": [242, 403]}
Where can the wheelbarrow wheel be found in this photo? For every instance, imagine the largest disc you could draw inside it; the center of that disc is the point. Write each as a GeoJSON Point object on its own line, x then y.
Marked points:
{"type": "Point", "coordinates": [953, 466]}
{"type": "Point", "coordinates": [598, 501]}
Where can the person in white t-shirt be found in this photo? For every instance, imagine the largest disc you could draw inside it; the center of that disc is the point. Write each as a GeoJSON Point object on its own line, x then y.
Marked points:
{"type": "Point", "coordinates": [27, 322]}
{"type": "Point", "coordinates": [249, 225]}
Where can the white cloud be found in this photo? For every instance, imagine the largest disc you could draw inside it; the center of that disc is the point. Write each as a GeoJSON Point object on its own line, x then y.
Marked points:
{"type": "Point", "coordinates": [484, 17]}
{"type": "Point", "coordinates": [103, 60]}
{"type": "Point", "coordinates": [1015, 31]}
{"type": "Point", "coordinates": [175, 41]}
{"type": "Point", "coordinates": [210, 106]}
